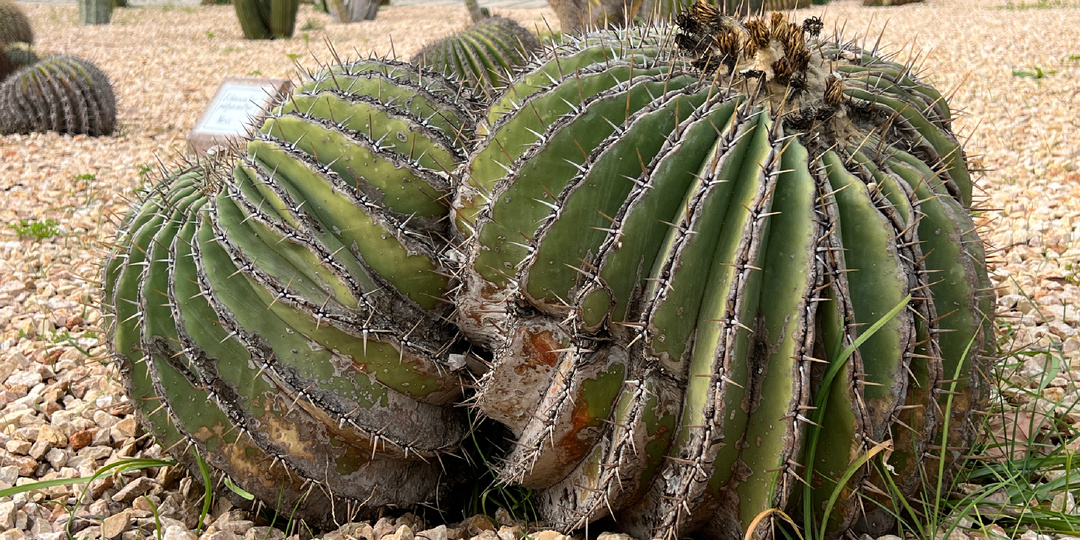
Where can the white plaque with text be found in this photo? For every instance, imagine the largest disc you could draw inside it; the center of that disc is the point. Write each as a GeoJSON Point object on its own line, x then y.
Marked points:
{"type": "Point", "coordinates": [238, 104]}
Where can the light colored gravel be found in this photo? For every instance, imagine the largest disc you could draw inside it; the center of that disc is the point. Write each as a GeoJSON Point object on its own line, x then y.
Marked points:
{"type": "Point", "coordinates": [62, 413]}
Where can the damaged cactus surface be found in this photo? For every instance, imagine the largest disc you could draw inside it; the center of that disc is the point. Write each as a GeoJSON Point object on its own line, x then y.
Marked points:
{"type": "Point", "coordinates": [697, 272]}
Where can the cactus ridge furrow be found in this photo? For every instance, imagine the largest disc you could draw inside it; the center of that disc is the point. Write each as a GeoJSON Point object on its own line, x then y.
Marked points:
{"type": "Point", "coordinates": [715, 382]}
{"type": "Point", "coordinates": [877, 282]}
{"type": "Point", "coordinates": [848, 420]}
{"type": "Point", "coordinates": [945, 149]}
{"type": "Point", "coordinates": [673, 293]}
{"type": "Point", "coordinates": [354, 398]}
{"type": "Point", "coordinates": [244, 188]}
{"type": "Point", "coordinates": [572, 236]}
{"type": "Point", "coordinates": [280, 268]}
{"type": "Point", "coordinates": [782, 347]}
{"type": "Point", "coordinates": [655, 200]}
{"type": "Point", "coordinates": [362, 116]}
{"type": "Point", "coordinates": [349, 479]}
{"type": "Point", "coordinates": [914, 427]}
{"type": "Point", "coordinates": [402, 260]}
{"type": "Point", "coordinates": [437, 107]}
{"type": "Point", "coordinates": [512, 212]}
{"type": "Point", "coordinates": [391, 184]}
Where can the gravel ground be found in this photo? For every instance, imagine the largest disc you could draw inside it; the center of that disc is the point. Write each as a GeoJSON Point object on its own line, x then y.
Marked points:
{"type": "Point", "coordinates": [62, 410]}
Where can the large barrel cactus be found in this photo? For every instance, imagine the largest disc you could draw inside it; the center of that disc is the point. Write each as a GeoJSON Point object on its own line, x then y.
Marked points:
{"type": "Point", "coordinates": [484, 55]}
{"type": "Point", "coordinates": [60, 93]}
{"type": "Point", "coordinates": [700, 272]}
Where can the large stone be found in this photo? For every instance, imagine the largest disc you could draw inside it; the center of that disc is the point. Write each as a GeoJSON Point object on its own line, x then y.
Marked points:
{"type": "Point", "coordinates": [178, 532]}
{"type": "Point", "coordinates": [134, 488]}
{"type": "Point", "coordinates": [115, 525]}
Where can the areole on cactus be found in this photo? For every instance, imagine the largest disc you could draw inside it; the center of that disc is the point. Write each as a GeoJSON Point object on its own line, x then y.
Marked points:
{"type": "Point", "coordinates": [698, 272]}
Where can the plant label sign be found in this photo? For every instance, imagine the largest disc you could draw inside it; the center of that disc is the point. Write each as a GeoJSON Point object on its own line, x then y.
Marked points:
{"type": "Point", "coordinates": [238, 104]}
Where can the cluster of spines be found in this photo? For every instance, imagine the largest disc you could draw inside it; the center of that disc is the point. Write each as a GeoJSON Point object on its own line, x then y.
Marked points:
{"type": "Point", "coordinates": [59, 93]}
{"type": "Point", "coordinates": [485, 55]}
{"type": "Point", "coordinates": [304, 296]}
{"type": "Point", "coordinates": [551, 306]}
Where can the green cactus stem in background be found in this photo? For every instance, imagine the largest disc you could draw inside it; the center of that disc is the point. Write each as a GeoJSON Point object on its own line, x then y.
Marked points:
{"type": "Point", "coordinates": [60, 93]}
{"type": "Point", "coordinates": [95, 11]}
{"type": "Point", "coordinates": [691, 272]}
{"type": "Point", "coordinates": [484, 55]}
{"type": "Point", "coordinates": [267, 19]}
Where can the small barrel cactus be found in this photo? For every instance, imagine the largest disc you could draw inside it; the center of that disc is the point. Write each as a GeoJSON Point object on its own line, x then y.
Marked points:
{"type": "Point", "coordinates": [21, 54]}
{"type": "Point", "coordinates": [700, 272]}
{"type": "Point", "coordinates": [14, 25]}
{"type": "Point", "coordinates": [484, 55]}
{"type": "Point", "coordinates": [267, 19]}
{"type": "Point", "coordinates": [59, 93]}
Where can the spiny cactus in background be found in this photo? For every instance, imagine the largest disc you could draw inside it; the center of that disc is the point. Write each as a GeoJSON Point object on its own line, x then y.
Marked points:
{"type": "Point", "coordinates": [21, 54]}
{"type": "Point", "coordinates": [267, 19]}
{"type": "Point", "coordinates": [576, 16]}
{"type": "Point", "coordinates": [484, 55]}
{"type": "Point", "coordinates": [301, 288]}
{"type": "Point", "coordinates": [14, 25]}
{"type": "Point", "coordinates": [696, 283]}
{"type": "Point", "coordinates": [59, 93]}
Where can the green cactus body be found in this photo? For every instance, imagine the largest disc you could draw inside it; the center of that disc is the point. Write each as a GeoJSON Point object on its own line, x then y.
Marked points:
{"type": "Point", "coordinates": [662, 266]}
{"type": "Point", "coordinates": [60, 93]}
{"type": "Point", "coordinates": [267, 19]}
{"type": "Point", "coordinates": [483, 56]}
